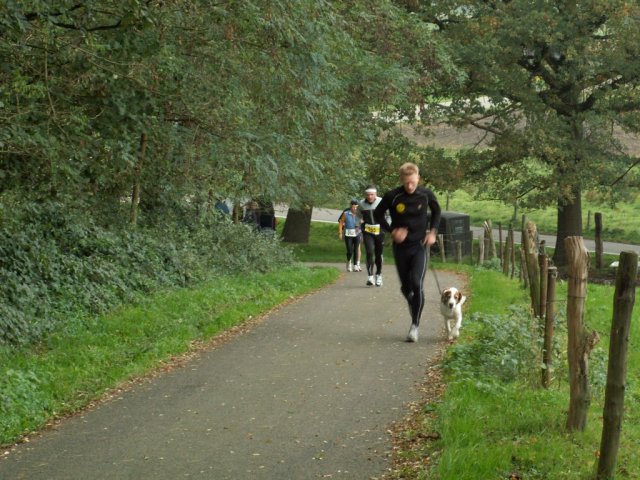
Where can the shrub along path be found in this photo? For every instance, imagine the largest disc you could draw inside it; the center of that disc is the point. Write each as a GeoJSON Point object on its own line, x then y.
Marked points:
{"type": "Point", "coordinates": [309, 392]}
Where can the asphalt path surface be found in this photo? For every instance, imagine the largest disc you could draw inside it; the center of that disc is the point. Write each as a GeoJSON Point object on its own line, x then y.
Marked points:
{"type": "Point", "coordinates": [309, 391]}
{"type": "Point", "coordinates": [331, 216]}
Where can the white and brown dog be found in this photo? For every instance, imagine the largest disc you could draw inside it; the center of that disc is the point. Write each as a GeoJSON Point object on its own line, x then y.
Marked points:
{"type": "Point", "coordinates": [451, 308]}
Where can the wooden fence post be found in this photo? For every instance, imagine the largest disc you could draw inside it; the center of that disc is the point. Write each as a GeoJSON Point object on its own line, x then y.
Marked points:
{"type": "Point", "coordinates": [506, 254]}
{"type": "Point", "coordinates": [543, 264]}
{"type": "Point", "coordinates": [550, 318]}
{"type": "Point", "coordinates": [490, 246]}
{"type": "Point", "coordinates": [533, 269]}
{"type": "Point", "coordinates": [524, 276]}
{"type": "Point", "coordinates": [599, 245]}
{"type": "Point", "coordinates": [443, 256]}
{"type": "Point", "coordinates": [458, 251]}
{"type": "Point", "coordinates": [580, 343]}
{"type": "Point", "coordinates": [481, 246]}
{"type": "Point", "coordinates": [623, 301]}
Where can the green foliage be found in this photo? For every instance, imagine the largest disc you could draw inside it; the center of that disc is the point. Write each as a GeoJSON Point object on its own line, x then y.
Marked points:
{"type": "Point", "coordinates": [236, 99]}
{"type": "Point", "coordinates": [57, 264]}
{"type": "Point", "coordinates": [20, 404]}
{"type": "Point", "coordinates": [506, 348]}
{"type": "Point", "coordinates": [554, 87]}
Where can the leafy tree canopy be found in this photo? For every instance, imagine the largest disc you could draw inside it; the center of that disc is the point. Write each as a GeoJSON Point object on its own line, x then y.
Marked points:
{"type": "Point", "coordinates": [234, 99]}
{"type": "Point", "coordinates": [555, 85]}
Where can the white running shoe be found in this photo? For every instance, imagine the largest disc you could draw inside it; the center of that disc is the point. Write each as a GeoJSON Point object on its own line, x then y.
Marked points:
{"type": "Point", "coordinates": [349, 267]}
{"type": "Point", "coordinates": [370, 280]}
{"type": "Point", "coordinates": [379, 280]}
{"type": "Point", "coordinates": [356, 268]}
{"type": "Point", "coordinates": [413, 334]}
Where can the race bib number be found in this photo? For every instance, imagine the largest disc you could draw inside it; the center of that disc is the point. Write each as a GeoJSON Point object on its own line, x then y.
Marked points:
{"type": "Point", "coordinates": [350, 232]}
{"type": "Point", "coordinates": [373, 229]}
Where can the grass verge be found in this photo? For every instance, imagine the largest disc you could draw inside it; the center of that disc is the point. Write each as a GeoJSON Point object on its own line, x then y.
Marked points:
{"type": "Point", "coordinates": [494, 420]}
{"type": "Point", "coordinates": [77, 365]}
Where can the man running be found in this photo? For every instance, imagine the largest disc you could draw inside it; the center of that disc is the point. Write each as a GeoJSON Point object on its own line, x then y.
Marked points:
{"type": "Point", "coordinates": [409, 206]}
{"type": "Point", "coordinates": [372, 235]}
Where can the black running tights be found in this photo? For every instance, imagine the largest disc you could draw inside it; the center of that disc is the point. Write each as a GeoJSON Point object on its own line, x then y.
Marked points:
{"type": "Point", "coordinates": [352, 247]}
{"type": "Point", "coordinates": [411, 263]}
{"type": "Point", "coordinates": [374, 244]}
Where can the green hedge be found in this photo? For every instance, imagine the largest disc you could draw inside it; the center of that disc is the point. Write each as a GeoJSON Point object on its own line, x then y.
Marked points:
{"type": "Point", "coordinates": [57, 264]}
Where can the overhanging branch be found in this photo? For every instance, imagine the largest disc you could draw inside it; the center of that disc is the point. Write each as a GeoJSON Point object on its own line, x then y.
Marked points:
{"type": "Point", "coordinates": [631, 167]}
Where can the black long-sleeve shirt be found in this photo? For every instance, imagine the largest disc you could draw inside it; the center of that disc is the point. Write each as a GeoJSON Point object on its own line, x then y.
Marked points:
{"type": "Point", "coordinates": [418, 212]}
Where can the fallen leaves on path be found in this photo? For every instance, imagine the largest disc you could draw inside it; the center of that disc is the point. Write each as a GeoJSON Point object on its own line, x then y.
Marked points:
{"type": "Point", "coordinates": [413, 438]}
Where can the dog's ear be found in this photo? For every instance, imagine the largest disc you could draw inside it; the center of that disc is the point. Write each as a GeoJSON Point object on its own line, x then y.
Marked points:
{"type": "Point", "coordinates": [458, 296]}
{"type": "Point", "coordinates": [445, 295]}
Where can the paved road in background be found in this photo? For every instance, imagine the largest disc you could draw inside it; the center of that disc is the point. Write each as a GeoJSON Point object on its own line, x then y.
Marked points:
{"type": "Point", "coordinates": [331, 216]}
{"type": "Point", "coordinates": [309, 392]}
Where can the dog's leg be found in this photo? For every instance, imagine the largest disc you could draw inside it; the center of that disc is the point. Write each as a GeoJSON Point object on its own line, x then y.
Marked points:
{"type": "Point", "coordinates": [450, 329]}
{"type": "Point", "coordinates": [456, 328]}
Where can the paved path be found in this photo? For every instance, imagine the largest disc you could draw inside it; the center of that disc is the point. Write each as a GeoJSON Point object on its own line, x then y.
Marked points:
{"type": "Point", "coordinates": [331, 216]}
{"type": "Point", "coordinates": [307, 393]}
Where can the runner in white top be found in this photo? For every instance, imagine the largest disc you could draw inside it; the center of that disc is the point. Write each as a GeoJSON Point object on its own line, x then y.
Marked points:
{"type": "Point", "coordinates": [373, 236]}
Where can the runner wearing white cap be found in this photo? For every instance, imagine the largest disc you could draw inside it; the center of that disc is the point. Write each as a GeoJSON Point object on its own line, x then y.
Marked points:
{"type": "Point", "coordinates": [372, 235]}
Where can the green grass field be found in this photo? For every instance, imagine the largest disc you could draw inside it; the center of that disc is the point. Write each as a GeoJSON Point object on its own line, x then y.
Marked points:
{"type": "Point", "coordinates": [621, 223]}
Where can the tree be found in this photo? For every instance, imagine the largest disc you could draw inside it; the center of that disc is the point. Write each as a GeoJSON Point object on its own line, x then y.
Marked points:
{"type": "Point", "coordinates": [553, 84]}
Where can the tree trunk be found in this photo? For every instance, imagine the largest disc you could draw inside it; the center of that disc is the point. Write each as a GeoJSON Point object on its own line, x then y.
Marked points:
{"type": "Point", "coordinates": [569, 224]}
{"type": "Point", "coordinates": [580, 343]}
{"type": "Point", "coordinates": [625, 295]}
{"type": "Point", "coordinates": [297, 225]}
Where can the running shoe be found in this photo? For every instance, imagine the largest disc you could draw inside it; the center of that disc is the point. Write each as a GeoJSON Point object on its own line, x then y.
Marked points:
{"type": "Point", "coordinates": [356, 268]}
{"type": "Point", "coordinates": [370, 280]}
{"type": "Point", "coordinates": [349, 267]}
{"type": "Point", "coordinates": [413, 334]}
{"type": "Point", "coordinates": [379, 280]}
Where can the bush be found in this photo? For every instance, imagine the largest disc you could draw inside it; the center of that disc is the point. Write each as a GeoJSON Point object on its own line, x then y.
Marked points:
{"type": "Point", "coordinates": [56, 264]}
{"type": "Point", "coordinates": [506, 348]}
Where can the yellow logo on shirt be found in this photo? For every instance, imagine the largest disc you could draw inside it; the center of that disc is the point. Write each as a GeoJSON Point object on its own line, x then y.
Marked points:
{"type": "Point", "coordinates": [400, 207]}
